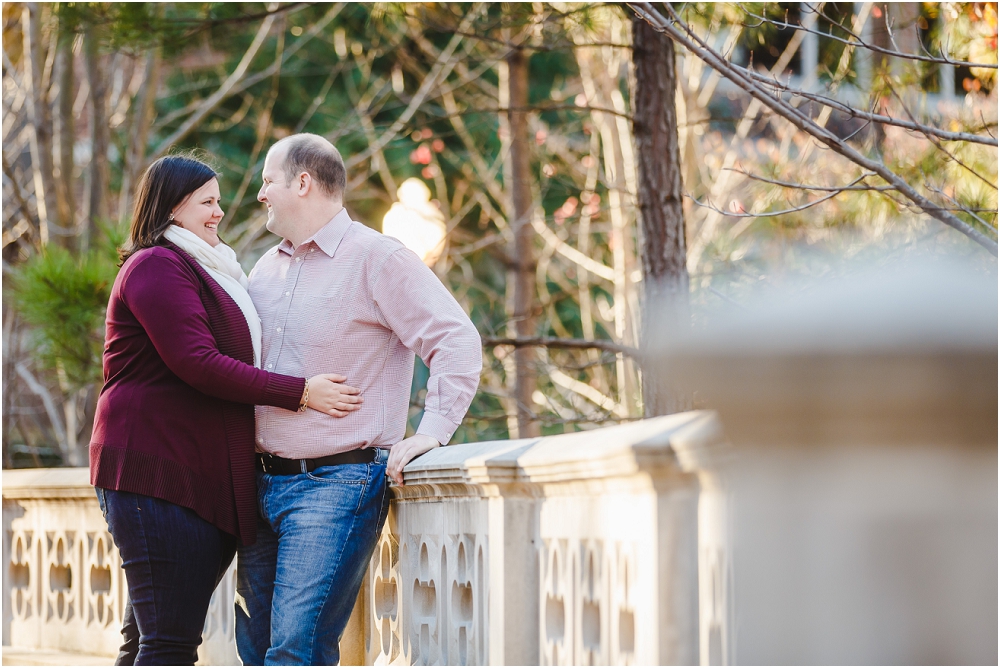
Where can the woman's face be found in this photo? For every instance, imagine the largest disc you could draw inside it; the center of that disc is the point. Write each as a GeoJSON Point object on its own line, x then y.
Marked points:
{"type": "Point", "coordinates": [201, 212]}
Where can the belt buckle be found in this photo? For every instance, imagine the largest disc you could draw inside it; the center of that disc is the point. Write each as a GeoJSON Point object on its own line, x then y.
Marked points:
{"type": "Point", "coordinates": [266, 463]}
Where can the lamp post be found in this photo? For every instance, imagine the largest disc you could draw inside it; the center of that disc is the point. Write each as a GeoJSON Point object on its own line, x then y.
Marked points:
{"type": "Point", "coordinates": [416, 222]}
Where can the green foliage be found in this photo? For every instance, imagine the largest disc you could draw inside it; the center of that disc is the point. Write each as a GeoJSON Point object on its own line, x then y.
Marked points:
{"type": "Point", "coordinates": [136, 26]}
{"type": "Point", "coordinates": [64, 298]}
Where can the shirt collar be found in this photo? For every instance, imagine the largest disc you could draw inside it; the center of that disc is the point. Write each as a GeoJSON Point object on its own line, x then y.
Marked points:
{"type": "Point", "coordinates": [327, 238]}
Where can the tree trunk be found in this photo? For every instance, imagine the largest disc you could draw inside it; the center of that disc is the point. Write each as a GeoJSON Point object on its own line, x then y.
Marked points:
{"type": "Point", "coordinates": [97, 210]}
{"type": "Point", "coordinates": [135, 158]}
{"type": "Point", "coordinates": [41, 119]}
{"type": "Point", "coordinates": [522, 253]}
{"type": "Point", "coordinates": [67, 137]}
{"type": "Point", "coordinates": [664, 254]}
{"type": "Point", "coordinates": [880, 68]}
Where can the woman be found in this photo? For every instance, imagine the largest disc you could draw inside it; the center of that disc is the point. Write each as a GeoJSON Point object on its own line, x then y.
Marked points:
{"type": "Point", "coordinates": [172, 453]}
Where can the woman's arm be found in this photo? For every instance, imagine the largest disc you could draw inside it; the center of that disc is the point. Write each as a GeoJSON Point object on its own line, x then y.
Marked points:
{"type": "Point", "coordinates": [165, 298]}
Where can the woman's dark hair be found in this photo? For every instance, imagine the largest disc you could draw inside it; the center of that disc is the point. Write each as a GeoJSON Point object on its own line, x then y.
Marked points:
{"type": "Point", "coordinates": [164, 185]}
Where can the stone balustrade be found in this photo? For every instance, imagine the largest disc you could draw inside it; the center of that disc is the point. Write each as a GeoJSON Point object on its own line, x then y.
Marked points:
{"type": "Point", "coordinates": [572, 549]}
{"type": "Point", "coordinates": [64, 589]}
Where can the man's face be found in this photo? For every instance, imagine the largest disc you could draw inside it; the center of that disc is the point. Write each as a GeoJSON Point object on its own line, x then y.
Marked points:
{"type": "Point", "coordinates": [280, 196]}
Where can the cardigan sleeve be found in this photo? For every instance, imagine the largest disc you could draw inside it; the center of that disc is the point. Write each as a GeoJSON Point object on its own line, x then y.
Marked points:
{"type": "Point", "coordinates": [166, 300]}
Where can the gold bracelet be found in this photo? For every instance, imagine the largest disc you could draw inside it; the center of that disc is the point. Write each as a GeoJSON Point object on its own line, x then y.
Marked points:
{"type": "Point", "coordinates": [305, 398]}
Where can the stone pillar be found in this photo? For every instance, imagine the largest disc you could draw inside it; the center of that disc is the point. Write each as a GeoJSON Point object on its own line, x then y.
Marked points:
{"type": "Point", "coordinates": [859, 504]}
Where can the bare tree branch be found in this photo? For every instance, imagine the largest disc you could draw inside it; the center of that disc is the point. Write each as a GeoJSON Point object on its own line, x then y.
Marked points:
{"type": "Point", "coordinates": [938, 146]}
{"type": "Point", "coordinates": [216, 98]}
{"type": "Point", "coordinates": [687, 37]}
{"type": "Point", "coordinates": [439, 72]}
{"type": "Point", "coordinates": [877, 118]}
{"type": "Point", "coordinates": [22, 204]}
{"type": "Point", "coordinates": [746, 123]}
{"type": "Point", "coordinates": [881, 189]}
{"type": "Point", "coordinates": [854, 38]}
{"type": "Point", "coordinates": [569, 344]}
{"type": "Point", "coordinates": [571, 253]}
{"type": "Point", "coordinates": [50, 407]}
{"type": "Point", "coordinates": [959, 205]}
{"type": "Point", "coordinates": [769, 214]}
{"type": "Point", "coordinates": [257, 77]}
{"type": "Point", "coordinates": [263, 130]}
{"type": "Point", "coordinates": [806, 186]}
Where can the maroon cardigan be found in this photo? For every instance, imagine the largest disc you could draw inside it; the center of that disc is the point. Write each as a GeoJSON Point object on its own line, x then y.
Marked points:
{"type": "Point", "coordinates": [175, 419]}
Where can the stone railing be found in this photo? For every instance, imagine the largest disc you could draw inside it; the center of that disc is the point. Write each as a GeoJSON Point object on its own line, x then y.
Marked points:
{"type": "Point", "coordinates": [64, 589]}
{"type": "Point", "coordinates": [573, 549]}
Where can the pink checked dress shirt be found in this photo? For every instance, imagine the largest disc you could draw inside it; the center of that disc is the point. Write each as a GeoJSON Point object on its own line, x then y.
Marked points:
{"type": "Point", "coordinates": [352, 301]}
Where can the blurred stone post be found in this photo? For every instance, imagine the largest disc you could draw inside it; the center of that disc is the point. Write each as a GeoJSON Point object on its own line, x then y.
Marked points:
{"type": "Point", "coordinates": [854, 518]}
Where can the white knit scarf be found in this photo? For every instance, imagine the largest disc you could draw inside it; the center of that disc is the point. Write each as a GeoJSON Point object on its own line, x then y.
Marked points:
{"type": "Point", "coordinates": [220, 262]}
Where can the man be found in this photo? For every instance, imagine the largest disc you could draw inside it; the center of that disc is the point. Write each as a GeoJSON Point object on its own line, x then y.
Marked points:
{"type": "Point", "coordinates": [337, 296]}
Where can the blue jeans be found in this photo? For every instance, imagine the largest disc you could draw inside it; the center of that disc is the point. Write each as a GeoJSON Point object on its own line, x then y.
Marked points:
{"type": "Point", "coordinates": [173, 561]}
{"type": "Point", "coordinates": [296, 586]}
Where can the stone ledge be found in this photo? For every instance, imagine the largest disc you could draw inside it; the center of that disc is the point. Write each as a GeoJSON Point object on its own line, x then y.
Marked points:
{"type": "Point", "coordinates": [54, 483]}
{"type": "Point", "coordinates": [21, 656]}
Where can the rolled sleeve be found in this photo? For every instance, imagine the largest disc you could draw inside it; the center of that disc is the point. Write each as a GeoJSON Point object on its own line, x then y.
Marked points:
{"type": "Point", "coordinates": [437, 426]}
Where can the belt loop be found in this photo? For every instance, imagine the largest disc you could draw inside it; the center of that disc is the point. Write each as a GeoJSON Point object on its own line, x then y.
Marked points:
{"type": "Point", "coordinates": [304, 465]}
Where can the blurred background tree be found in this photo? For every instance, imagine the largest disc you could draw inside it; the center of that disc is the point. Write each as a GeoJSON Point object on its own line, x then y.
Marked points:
{"type": "Point", "coordinates": [519, 120]}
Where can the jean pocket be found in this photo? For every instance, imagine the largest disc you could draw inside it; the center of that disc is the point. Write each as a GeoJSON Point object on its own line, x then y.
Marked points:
{"type": "Point", "coordinates": [346, 474]}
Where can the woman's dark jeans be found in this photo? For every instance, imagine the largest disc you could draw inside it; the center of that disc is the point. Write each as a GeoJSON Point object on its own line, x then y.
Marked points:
{"type": "Point", "coordinates": [173, 561]}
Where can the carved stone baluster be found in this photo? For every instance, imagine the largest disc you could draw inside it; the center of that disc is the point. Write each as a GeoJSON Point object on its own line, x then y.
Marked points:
{"type": "Point", "coordinates": [383, 590]}
{"type": "Point", "coordinates": [58, 574]}
{"type": "Point", "coordinates": [591, 647]}
{"type": "Point", "coordinates": [23, 576]}
{"type": "Point", "coordinates": [98, 565]}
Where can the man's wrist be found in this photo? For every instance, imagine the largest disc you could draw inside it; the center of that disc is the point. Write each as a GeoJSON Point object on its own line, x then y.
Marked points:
{"type": "Point", "coordinates": [437, 426]}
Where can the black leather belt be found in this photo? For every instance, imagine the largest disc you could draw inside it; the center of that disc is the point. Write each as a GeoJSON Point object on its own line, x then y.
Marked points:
{"type": "Point", "coordinates": [280, 466]}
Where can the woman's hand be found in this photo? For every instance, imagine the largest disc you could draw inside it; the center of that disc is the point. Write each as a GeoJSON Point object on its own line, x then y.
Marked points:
{"type": "Point", "coordinates": [328, 394]}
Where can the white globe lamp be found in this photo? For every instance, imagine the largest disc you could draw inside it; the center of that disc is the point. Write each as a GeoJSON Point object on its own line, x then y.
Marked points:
{"type": "Point", "coordinates": [416, 222]}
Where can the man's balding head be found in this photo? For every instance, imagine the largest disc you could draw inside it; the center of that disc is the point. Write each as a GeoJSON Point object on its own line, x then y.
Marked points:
{"type": "Point", "coordinates": [315, 155]}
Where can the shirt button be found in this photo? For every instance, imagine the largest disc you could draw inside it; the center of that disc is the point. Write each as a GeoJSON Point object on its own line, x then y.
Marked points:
{"type": "Point", "coordinates": [287, 294]}
{"type": "Point", "coordinates": [261, 441]}
{"type": "Point", "coordinates": [270, 366]}
{"type": "Point", "coordinates": [311, 250]}
{"type": "Point", "coordinates": [298, 259]}
{"type": "Point", "coordinates": [278, 329]}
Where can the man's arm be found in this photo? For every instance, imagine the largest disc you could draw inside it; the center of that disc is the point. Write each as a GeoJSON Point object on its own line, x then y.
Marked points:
{"type": "Point", "coordinates": [425, 316]}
